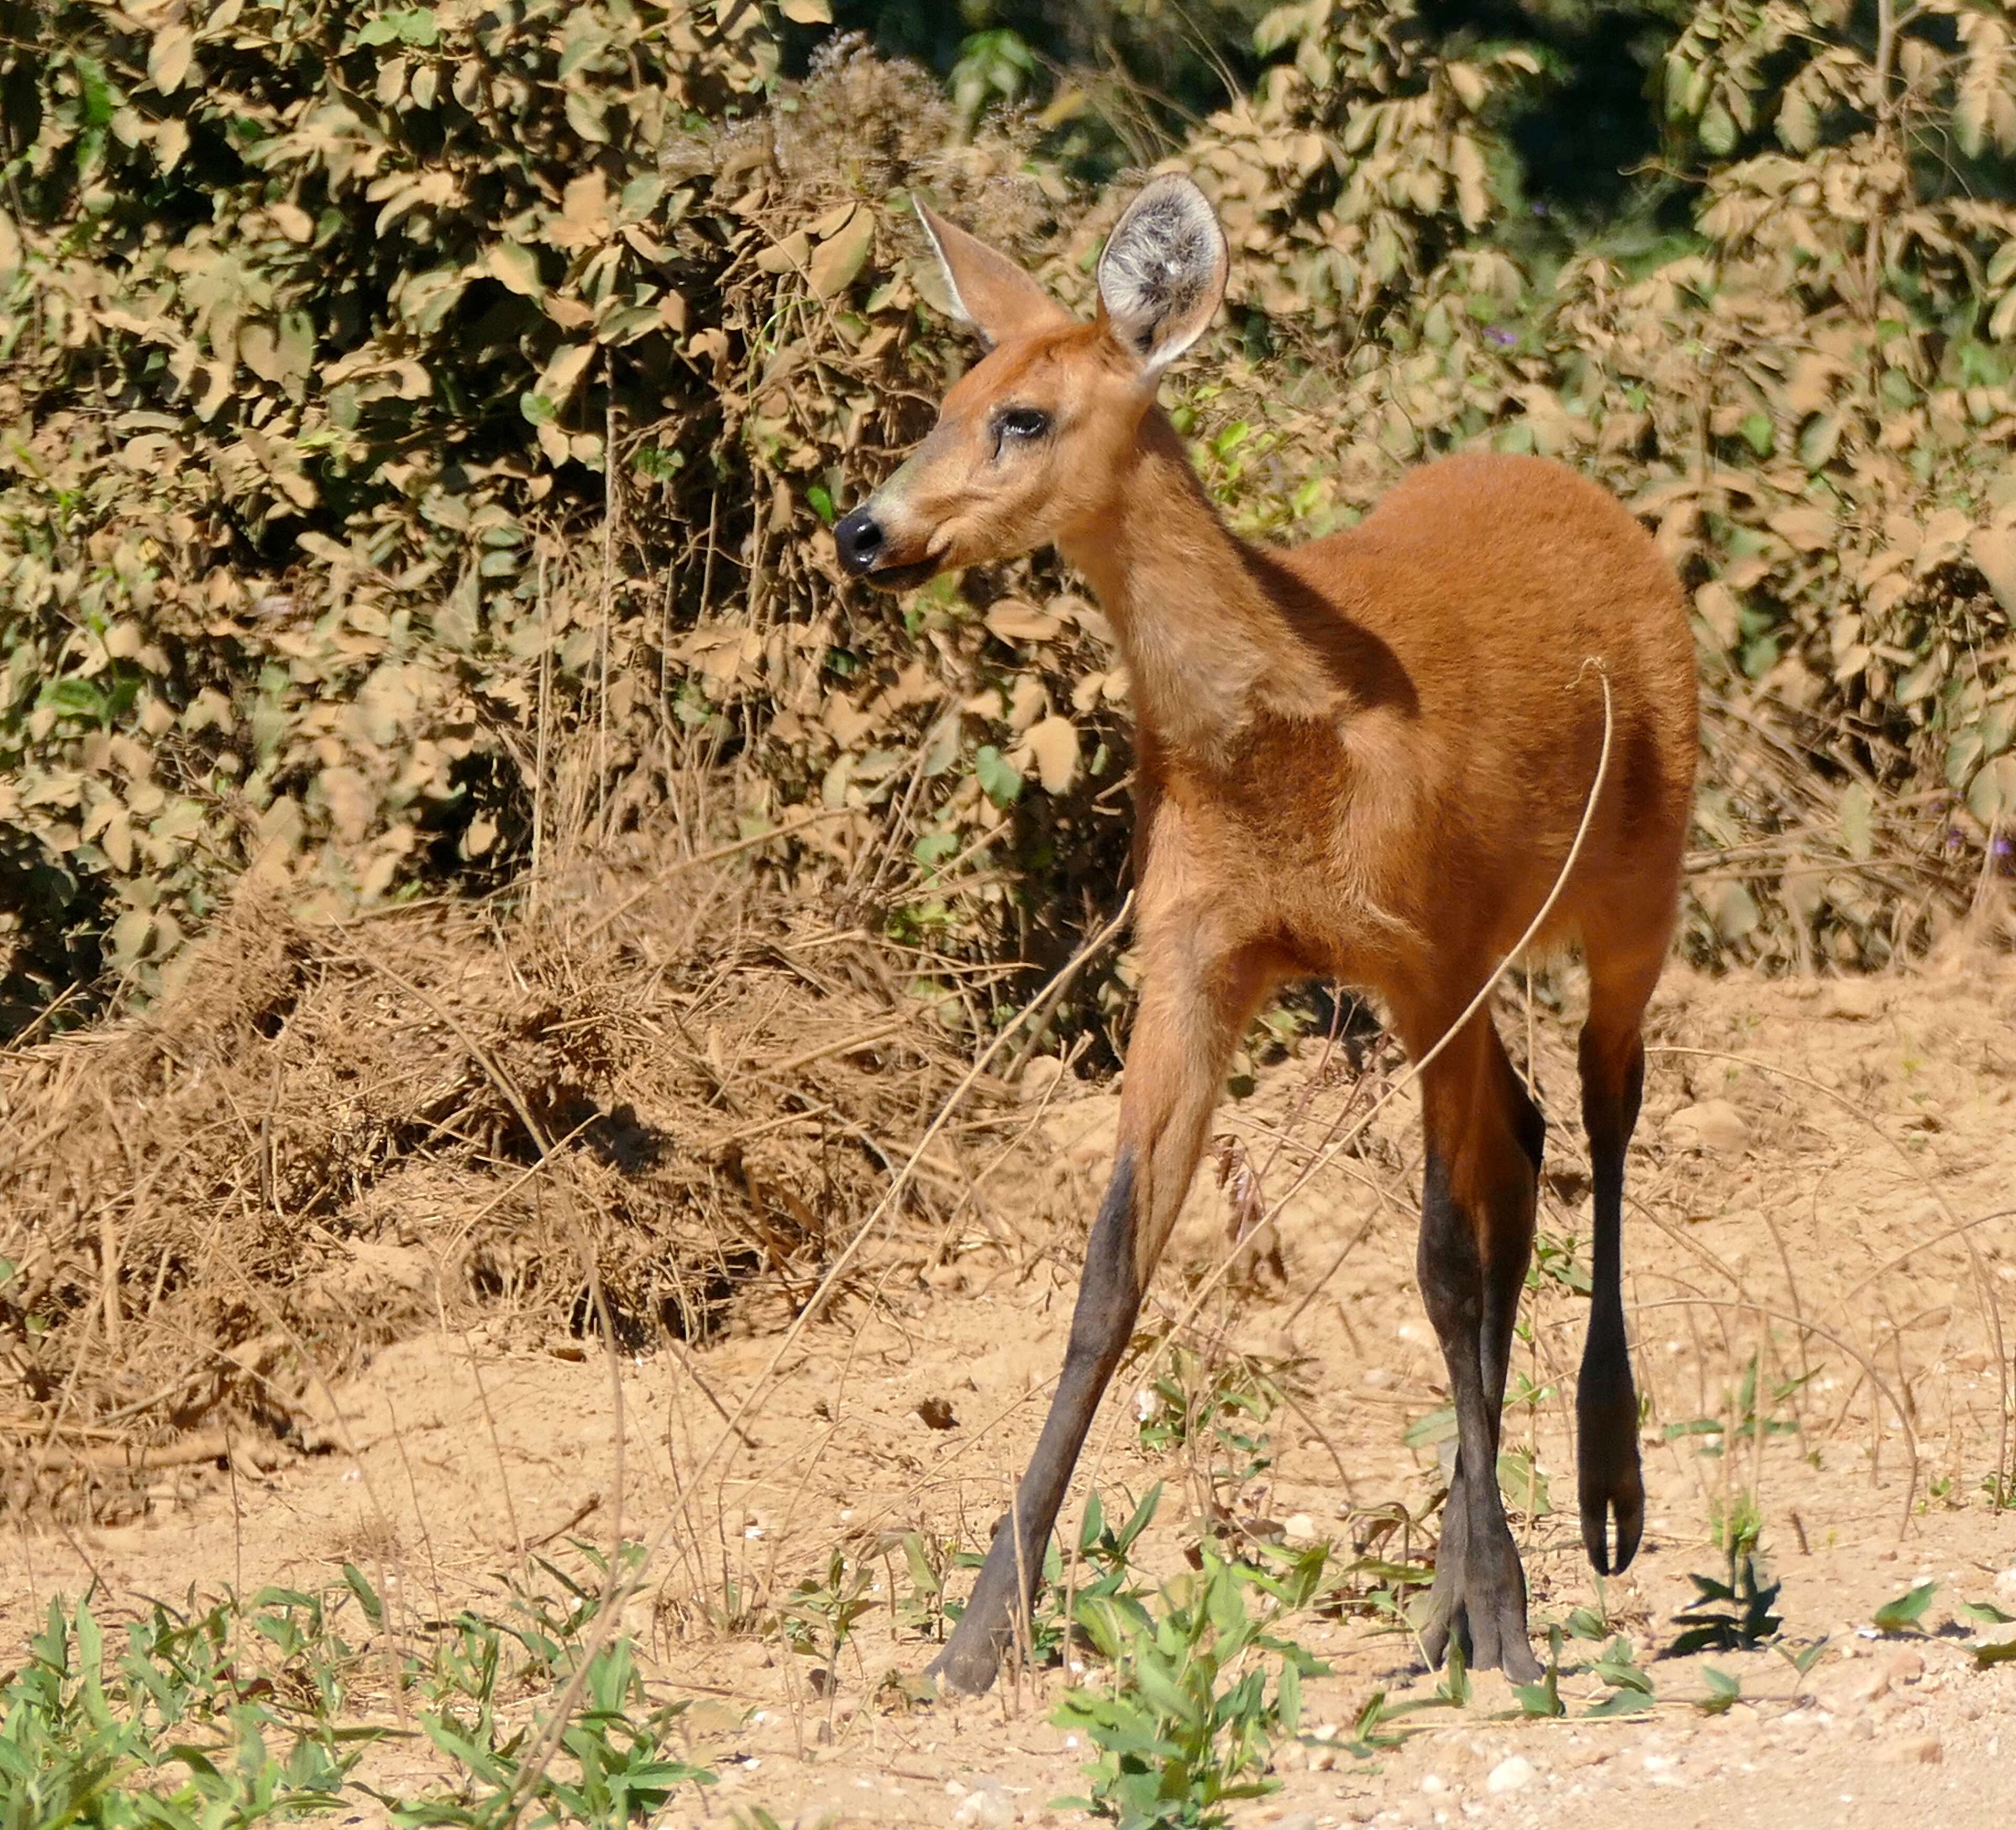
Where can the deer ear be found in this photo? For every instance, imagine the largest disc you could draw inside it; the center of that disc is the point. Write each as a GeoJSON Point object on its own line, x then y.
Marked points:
{"type": "Point", "coordinates": [1163, 272]}
{"type": "Point", "coordinates": [988, 290]}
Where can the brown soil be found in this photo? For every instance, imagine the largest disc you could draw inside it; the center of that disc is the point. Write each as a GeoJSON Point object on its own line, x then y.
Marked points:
{"type": "Point", "coordinates": [1817, 1185]}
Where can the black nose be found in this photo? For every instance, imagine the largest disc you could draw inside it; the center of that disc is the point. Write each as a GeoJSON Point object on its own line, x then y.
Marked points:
{"type": "Point", "coordinates": [858, 536]}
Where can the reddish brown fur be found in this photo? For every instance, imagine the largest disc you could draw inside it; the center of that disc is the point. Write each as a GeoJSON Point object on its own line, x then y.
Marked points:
{"type": "Point", "coordinates": [1363, 758]}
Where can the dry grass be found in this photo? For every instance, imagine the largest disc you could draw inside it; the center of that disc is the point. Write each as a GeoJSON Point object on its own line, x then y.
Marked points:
{"type": "Point", "coordinates": [664, 1089]}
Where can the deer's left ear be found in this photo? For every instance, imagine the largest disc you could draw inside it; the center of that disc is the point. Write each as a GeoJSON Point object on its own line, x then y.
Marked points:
{"type": "Point", "coordinates": [1163, 272]}
{"type": "Point", "coordinates": [988, 290]}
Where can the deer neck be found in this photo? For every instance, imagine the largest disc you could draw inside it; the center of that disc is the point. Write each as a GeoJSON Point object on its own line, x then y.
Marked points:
{"type": "Point", "coordinates": [1208, 651]}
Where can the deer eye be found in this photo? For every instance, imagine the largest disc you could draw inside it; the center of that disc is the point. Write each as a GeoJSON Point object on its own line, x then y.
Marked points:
{"type": "Point", "coordinates": [1023, 422]}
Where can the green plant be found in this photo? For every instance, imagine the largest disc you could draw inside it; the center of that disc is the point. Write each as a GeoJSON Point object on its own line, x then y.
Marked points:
{"type": "Point", "coordinates": [1217, 1411]}
{"type": "Point", "coordinates": [242, 1711]}
{"type": "Point", "coordinates": [1743, 1417]}
{"type": "Point", "coordinates": [1631, 1690]}
{"type": "Point", "coordinates": [820, 1614]}
{"type": "Point", "coordinates": [1902, 1614]}
{"type": "Point", "coordinates": [1104, 1592]}
{"type": "Point", "coordinates": [170, 1736]}
{"type": "Point", "coordinates": [1723, 1693]}
{"type": "Point", "coordinates": [1733, 1613]}
{"type": "Point", "coordinates": [1543, 1699]}
{"type": "Point", "coordinates": [611, 1767]}
{"type": "Point", "coordinates": [1186, 1718]}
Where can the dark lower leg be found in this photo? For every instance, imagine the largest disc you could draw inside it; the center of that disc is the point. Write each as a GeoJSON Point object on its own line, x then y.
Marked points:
{"type": "Point", "coordinates": [1612, 1489]}
{"type": "Point", "coordinates": [1108, 1300]}
{"type": "Point", "coordinates": [1479, 1598]}
{"type": "Point", "coordinates": [1508, 1248]}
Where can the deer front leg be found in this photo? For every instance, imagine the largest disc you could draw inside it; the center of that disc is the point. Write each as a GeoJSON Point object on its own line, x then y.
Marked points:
{"type": "Point", "coordinates": [1195, 1006]}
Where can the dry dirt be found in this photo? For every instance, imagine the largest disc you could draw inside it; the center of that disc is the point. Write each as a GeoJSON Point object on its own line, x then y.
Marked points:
{"type": "Point", "coordinates": [1820, 1184]}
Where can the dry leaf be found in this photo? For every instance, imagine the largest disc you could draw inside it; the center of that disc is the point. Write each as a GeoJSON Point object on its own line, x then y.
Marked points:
{"type": "Point", "coordinates": [1015, 619]}
{"type": "Point", "coordinates": [1053, 743]}
{"type": "Point", "coordinates": [838, 261]}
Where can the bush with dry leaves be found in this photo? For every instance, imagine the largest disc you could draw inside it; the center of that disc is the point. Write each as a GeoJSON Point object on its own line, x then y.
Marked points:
{"type": "Point", "coordinates": [418, 429]}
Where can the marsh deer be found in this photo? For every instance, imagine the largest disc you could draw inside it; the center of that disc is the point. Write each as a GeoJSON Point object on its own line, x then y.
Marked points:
{"type": "Point", "coordinates": [1366, 759]}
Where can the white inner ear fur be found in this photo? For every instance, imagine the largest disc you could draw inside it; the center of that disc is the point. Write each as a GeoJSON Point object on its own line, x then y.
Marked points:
{"type": "Point", "coordinates": [959, 304]}
{"type": "Point", "coordinates": [1163, 271]}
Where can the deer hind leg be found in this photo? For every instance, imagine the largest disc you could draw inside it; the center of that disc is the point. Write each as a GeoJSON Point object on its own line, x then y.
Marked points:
{"type": "Point", "coordinates": [1479, 1189]}
{"type": "Point", "coordinates": [1611, 1486]}
{"type": "Point", "coordinates": [1195, 1006]}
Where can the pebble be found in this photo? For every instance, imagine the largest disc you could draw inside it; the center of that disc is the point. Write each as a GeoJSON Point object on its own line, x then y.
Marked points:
{"type": "Point", "coordinates": [1714, 1126]}
{"type": "Point", "coordinates": [1300, 1529]}
{"type": "Point", "coordinates": [1040, 1076]}
{"type": "Point", "coordinates": [1510, 1774]}
{"type": "Point", "coordinates": [987, 1806]}
{"type": "Point", "coordinates": [1905, 1665]}
{"type": "Point", "coordinates": [1926, 1751]}
{"type": "Point", "coordinates": [1854, 998]}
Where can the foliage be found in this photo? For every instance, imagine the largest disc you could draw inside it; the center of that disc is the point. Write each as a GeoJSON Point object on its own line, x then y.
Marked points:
{"type": "Point", "coordinates": [1903, 1614]}
{"type": "Point", "coordinates": [166, 1735]}
{"type": "Point", "coordinates": [1185, 1722]}
{"type": "Point", "coordinates": [419, 428]}
{"type": "Point", "coordinates": [1099, 1594]}
{"type": "Point", "coordinates": [1732, 1613]}
{"type": "Point", "coordinates": [238, 1712]}
{"type": "Point", "coordinates": [1216, 1411]}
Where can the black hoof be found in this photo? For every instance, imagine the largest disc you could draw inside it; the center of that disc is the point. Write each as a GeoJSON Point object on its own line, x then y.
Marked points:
{"type": "Point", "coordinates": [1479, 1603]}
{"type": "Point", "coordinates": [967, 1666]}
{"type": "Point", "coordinates": [1622, 1503]}
{"type": "Point", "coordinates": [1611, 1488]}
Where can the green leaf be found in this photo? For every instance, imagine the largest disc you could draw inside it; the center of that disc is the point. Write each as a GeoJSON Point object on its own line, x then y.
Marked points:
{"type": "Point", "coordinates": [1986, 1612]}
{"type": "Point", "coordinates": [1436, 1426]}
{"type": "Point", "coordinates": [517, 268]}
{"type": "Point", "coordinates": [1000, 781]}
{"type": "Point", "coordinates": [416, 25]}
{"type": "Point", "coordinates": [1724, 1691]}
{"type": "Point", "coordinates": [1521, 1484]}
{"type": "Point", "coordinates": [1906, 1611]}
{"type": "Point", "coordinates": [1718, 131]}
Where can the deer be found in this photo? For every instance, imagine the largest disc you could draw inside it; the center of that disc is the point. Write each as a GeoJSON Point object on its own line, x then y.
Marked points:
{"type": "Point", "coordinates": [1366, 758]}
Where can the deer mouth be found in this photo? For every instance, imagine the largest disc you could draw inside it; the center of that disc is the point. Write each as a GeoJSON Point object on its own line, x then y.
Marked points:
{"type": "Point", "coordinates": [901, 577]}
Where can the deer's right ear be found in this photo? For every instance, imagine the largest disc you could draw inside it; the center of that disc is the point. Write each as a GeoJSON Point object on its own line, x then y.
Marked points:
{"type": "Point", "coordinates": [1163, 272]}
{"type": "Point", "coordinates": [988, 290]}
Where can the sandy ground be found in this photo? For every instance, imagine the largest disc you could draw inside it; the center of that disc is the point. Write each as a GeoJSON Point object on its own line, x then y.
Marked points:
{"type": "Point", "coordinates": [1817, 1190]}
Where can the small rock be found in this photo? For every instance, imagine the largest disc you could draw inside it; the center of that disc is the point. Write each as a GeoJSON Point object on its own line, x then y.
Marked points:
{"type": "Point", "coordinates": [1510, 1774]}
{"type": "Point", "coordinates": [1926, 1751]}
{"type": "Point", "coordinates": [1300, 1529]}
{"type": "Point", "coordinates": [1040, 1076]}
{"type": "Point", "coordinates": [1856, 999]}
{"type": "Point", "coordinates": [1905, 1665]}
{"type": "Point", "coordinates": [987, 1810]}
{"type": "Point", "coordinates": [2005, 1585]}
{"type": "Point", "coordinates": [1300, 1821]}
{"type": "Point", "coordinates": [1714, 1126]}
{"type": "Point", "coordinates": [1432, 1782]}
